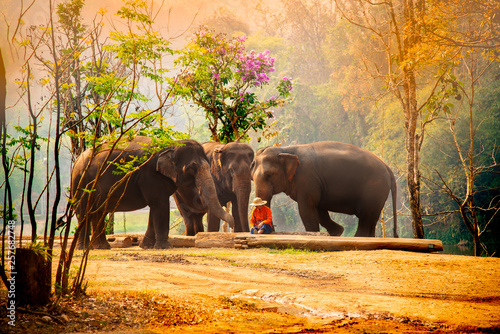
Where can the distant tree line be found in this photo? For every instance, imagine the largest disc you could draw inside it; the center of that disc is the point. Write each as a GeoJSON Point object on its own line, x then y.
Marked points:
{"type": "Point", "coordinates": [415, 82]}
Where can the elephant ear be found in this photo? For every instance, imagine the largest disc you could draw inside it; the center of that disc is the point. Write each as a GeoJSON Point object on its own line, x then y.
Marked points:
{"type": "Point", "coordinates": [166, 164]}
{"type": "Point", "coordinates": [191, 168]}
{"type": "Point", "coordinates": [290, 164]}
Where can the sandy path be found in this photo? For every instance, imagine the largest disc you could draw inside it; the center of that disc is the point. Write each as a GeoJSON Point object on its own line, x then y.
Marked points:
{"type": "Point", "coordinates": [457, 291]}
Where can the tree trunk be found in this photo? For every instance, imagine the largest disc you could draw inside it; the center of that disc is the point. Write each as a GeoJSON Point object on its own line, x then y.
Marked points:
{"type": "Point", "coordinates": [7, 200]}
{"type": "Point", "coordinates": [410, 107]}
{"type": "Point", "coordinates": [32, 278]}
{"type": "Point", "coordinates": [413, 180]}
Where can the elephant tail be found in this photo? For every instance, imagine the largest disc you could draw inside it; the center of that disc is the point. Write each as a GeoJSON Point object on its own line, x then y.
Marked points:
{"type": "Point", "coordinates": [394, 192]}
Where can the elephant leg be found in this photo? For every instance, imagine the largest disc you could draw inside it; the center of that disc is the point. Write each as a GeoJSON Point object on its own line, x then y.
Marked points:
{"type": "Point", "coordinates": [198, 222]}
{"type": "Point", "coordinates": [309, 215]}
{"type": "Point", "coordinates": [331, 226]}
{"type": "Point", "coordinates": [367, 223]}
{"type": "Point", "coordinates": [188, 217]}
{"type": "Point", "coordinates": [236, 216]}
{"type": "Point", "coordinates": [213, 222]}
{"type": "Point", "coordinates": [149, 237]}
{"type": "Point", "coordinates": [98, 240]}
{"type": "Point", "coordinates": [161, 222]}
{"type": "Point", "coordinates": [194, 223]}
{"type": "Point", "coordinates": [190, 225]}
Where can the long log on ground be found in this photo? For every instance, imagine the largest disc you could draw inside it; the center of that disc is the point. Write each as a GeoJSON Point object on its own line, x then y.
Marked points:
{"type": "Point", "coordinates": [228, 240]}
{"type": "Point", "coordinates": [337, 243]}
{"type": "Point", "coordinates": [324, 234]}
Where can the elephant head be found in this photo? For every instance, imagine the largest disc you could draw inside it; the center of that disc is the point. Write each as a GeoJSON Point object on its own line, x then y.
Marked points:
{"type": "Point", "coordinates": [273, 172]}
{"type": "Point", "coordinates": [188, 167]}
{"type": "Point", "coordinates": [230, 167]}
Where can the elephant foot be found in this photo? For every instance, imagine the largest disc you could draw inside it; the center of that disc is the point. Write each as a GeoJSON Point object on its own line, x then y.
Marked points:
{"type": "Point", "coordinates": [147, 243]}
{"type": "Point", "coordinates": [336, 231]}
{"type": "Point", "coordinates": [103, 245]}
{"type": "Point", "coordinates": [163, 244]}
{"type": "Point", "coordinates": [82, 245]}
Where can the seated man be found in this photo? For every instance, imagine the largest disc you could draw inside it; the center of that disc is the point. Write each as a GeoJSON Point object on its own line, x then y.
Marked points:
{"type": "Point", "coordinates": [261, 220]}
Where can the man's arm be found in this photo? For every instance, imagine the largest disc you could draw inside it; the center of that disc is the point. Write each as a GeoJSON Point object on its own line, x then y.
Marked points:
{"type": "Point", "coordinates": [268, 218]}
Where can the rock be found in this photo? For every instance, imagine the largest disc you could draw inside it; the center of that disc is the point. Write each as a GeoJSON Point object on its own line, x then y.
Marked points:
{"type": "Point", "coordinates": [250, 292]}
{"type": "Point", "coordinates": [47, 319]}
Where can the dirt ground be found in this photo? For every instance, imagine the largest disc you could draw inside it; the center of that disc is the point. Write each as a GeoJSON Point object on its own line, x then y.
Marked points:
{"type": "Point", "coordinates": [192, 290]}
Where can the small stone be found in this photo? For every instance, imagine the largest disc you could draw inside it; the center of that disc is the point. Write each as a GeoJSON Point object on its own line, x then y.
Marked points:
{"type": "Point", "coordinates": [270, 308]}
{"type": "Point", "coordinates": [64, 317]}
{"type": "Point", "coordinates": [46, 319]}
{"type": "Point", "coordinates": [250, 292]}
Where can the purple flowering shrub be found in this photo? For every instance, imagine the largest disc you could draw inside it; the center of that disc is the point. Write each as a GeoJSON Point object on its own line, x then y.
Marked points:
{"type": "Point", "coordinates": [220, 77]}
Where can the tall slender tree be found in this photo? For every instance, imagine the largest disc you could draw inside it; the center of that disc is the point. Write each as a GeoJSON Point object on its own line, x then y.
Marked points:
{"type": "Point", "coordinates": [396, 28]}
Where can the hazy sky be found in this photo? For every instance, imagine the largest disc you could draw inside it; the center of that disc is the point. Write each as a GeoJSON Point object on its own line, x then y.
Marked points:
{"type": "Point", "coordinates": [174, 18]}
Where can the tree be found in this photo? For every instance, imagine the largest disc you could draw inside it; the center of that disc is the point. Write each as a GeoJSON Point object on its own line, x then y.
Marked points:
{"type": "Point", "coordinates": [92, 96]}
{"type": "Point", "coordinates": [120, 108]}
{"type": "Point", "coordinates": [220, 78]}
{"type": "Point", "coordinates": [6, 213]}
{"type": "Point", "coordinates": [469, 32]}
{"type": "Point", "coordinates": [396, 28]}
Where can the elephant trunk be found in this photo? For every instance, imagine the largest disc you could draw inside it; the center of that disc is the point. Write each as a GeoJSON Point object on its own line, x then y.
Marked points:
{"type": "Point", "coordinates": [205, 183]}
{"type": "Point", "coordinates": [264, 192]}
{"type": "Point", "coordinates": [242, 189]}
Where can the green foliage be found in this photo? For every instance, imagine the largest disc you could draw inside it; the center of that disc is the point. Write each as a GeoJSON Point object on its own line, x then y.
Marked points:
{"type": "Point", "coordinates": [440, 156]}
{"type": "Point", "coordinates": [26, 138]}
{"type": "Point", "coordinates": [70, 17]}
{"type": "Point", "coordinates": [40, 249]}
{"type": "Point", "coordinates": [135, 10]}
{"type": "Point", "coordinates": [141, 50]}
{"type": "Point", "coordinates": [449, 87]}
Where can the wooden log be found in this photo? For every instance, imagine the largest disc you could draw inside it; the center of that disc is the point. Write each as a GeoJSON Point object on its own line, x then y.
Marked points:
{"type": "Point", "coordinates": [136, 238]}
{"type": "Point", "coordinates": [175, 240]}
{"type": "Point", "coordinates": [31, 278]}
{"type": "Point", "coordinates": [343, 243]}
{"type": "Point", "coordinates": [182, 241]}
{"type": "Point", "coordinates": [215, 239]}
{"type": "Point", "coordinates": [120, 242]}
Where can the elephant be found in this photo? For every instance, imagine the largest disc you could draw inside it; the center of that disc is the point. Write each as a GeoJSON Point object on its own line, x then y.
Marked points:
{"type": "Point", "coordinates": [230, 168]}
{"type": "Point", "coordinates": [181, 168]}
{"type": "Point", "coordinates": [327, 176]}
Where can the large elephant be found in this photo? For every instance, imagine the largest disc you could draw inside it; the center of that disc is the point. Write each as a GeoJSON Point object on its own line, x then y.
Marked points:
{"type": "Point", "coordinates": [183, 168]}
{"type": "Point", "coordinates": [230, 168]}
{"type": "Point", "coordinates": [327, 176]}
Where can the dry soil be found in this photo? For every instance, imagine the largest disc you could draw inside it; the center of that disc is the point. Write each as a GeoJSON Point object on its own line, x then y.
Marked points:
{"type": "Point", "coordinates": [269, 291]}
